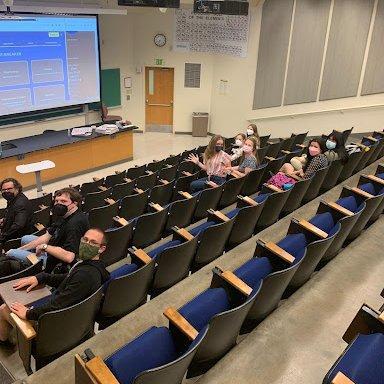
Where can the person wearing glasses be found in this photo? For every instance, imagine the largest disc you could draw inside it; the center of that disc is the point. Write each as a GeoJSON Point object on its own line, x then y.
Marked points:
{"type": "Point", "coordinates": [58, 246]}
{"type": "Point", "coordinates": [84, 278]}
{"type": "Point", "coordinates": [17, 221]}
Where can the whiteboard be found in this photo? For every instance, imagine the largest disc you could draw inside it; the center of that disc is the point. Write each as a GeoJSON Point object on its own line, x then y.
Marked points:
{"type": "Point", "coordinates": [222, 34]}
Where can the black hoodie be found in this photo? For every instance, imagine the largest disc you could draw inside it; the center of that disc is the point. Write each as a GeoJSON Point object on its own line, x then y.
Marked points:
{"type": "Point", "coordinates": [82, 281]}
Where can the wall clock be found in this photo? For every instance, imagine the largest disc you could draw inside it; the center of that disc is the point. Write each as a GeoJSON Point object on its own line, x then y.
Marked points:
{"type": "Point", "coordinates": [160, 39]}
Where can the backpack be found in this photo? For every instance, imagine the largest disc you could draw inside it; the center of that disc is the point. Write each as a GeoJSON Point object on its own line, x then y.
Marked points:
{"type": "Point", "coordinates": [280, 179]}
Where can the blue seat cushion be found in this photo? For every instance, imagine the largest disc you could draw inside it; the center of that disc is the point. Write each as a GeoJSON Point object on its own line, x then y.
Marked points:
{"type": "Point", "coordinates": [201, 228]}
{"type": "Point", "coordinates": [324, 221]}
{"type": "Point", "coordinates": [123, 270]}
{"type": "Point", "coordinates": [380, 175]}
{"type": "Point", "coordinates": [261, 197]}
{"type": "Point", "coordinates": [203, 307]}
{"type": "Point", "coordinates": [368, 187]}
{"type": "Point", "coordinates": [153, 348]}
{"type": "Point", "coordinates": [367, 143]}
{"type": "Point", "coordinates": [363, 362]}
{"type": "Point", "coordinates": [233, 213]}
{"type": "Point", "coordinates": [254, 271]}
{"type": "Point", "coordinates": [155, 252]}
{"type": "Point", "coordinates": [295, 244]}
{"type": "Point", "coordinates": [349, 202]}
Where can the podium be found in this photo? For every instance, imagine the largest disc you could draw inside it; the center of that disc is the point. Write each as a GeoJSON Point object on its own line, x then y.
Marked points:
{"type": "Point", "coordinates": [37, 168]}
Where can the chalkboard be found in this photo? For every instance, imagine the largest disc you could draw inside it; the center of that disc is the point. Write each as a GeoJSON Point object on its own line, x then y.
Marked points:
{"type": "Point", "coordinates": [111, 87]}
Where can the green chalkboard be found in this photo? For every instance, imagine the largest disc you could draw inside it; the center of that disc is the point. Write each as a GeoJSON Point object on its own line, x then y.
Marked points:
{"type": "Point", "coordinates": [111, 87]}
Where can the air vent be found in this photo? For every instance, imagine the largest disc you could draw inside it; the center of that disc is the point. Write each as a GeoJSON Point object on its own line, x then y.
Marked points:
{"type": "Point", "coordinates": [192, 75]}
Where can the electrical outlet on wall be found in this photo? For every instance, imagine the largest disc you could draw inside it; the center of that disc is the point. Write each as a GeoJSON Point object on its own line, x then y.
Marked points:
{"type": "Point", "coordinates": [128, 97]}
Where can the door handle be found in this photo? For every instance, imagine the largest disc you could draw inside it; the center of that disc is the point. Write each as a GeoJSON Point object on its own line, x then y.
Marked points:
{"type": "Point", "coordinates": [160, 105]}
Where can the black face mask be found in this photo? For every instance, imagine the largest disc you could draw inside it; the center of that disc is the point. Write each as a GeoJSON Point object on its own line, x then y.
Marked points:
{"type": "Point", "coordinates": [59, 210]}
{"type": "Point", "coordinates": [9, 196]}
{"type": "Point", "coordinates": [218, 148]}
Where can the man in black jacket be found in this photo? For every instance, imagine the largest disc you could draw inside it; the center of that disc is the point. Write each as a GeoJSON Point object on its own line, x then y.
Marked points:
{"type": "Point", "coordinates": [58, 246]}
{"type": "Point", "coordinates": [84, 278]}
{"type": "Point", "coordinates": [18, 217]}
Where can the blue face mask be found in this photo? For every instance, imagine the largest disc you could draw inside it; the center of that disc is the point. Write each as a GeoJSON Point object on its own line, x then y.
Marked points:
{"type": "Point", "coordinates": [330, 144]}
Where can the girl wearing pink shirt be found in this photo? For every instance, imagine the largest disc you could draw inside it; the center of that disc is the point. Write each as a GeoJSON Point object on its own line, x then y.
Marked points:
{"type": "Point", "coordinates": [215, 161]}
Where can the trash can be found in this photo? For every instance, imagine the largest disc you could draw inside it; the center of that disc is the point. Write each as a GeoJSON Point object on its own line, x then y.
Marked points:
{"type": "Point", "coordinates": [199, 124]}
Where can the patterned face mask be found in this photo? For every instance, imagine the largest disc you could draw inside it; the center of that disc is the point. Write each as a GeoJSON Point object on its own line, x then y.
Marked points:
{"type": "Point", "coordinates": [88, 251]}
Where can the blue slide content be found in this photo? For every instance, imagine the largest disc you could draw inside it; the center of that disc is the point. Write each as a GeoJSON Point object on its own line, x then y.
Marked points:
{"type": "Point", "coordinates": [48, 62]}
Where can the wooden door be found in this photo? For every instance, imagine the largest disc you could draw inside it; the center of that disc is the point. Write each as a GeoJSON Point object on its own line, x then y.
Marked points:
{"type": "Point", "coordinates": [159, 99]}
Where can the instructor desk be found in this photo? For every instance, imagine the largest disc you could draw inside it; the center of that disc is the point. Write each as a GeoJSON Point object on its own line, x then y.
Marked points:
{"type": "Point", "coordinates": [72, 155]}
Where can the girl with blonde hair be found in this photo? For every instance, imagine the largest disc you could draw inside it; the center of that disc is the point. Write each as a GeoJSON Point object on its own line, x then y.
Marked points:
{"type": "Point", "coordinates": [215, 162]}
{"type": "Point", "coordinates": [248, 160]}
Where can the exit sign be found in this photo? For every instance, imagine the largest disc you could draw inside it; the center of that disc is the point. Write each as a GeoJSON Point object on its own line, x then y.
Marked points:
{"type": "Point", "coordinates": [159, 61]}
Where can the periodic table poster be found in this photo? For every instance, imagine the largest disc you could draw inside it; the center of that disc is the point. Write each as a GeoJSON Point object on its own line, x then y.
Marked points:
{"type": "Point", "coordinates": [223, 34]}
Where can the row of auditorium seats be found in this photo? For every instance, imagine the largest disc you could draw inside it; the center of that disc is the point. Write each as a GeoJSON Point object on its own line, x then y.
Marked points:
{"type": "Point", "coordinates": [85, 318]}
{"type": "Point", "coordinates": [362, 362]}
{"type": "Point", "coordinates": [144, 208]}
{"type": "Point", "coordinates": [191, 249]}
{"type": "Point", "coordinates": [204, 329]}
{"type": "Point", "coordinates": [133, 201]}
{"type": "Point", "coordinates": [248, 218]}
{"type": "Point", "coordinates": [334, 220]}
{"type": "Point", "coordinates": [247, 221]}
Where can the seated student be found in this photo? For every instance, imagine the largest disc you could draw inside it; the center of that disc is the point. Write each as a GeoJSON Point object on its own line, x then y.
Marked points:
{"type": "Point", "coordinates": [248, 160]}
{"type": "Point", "coordinates": [335, 148]}
{"type": "Point", "coordinates": [214, 163]}
{"type": "Point", "coordinates": [252, 131]}
{"type": "Point", "coordinates": [18, 215]}
{"type": "Point", "coordinates": [335, 151]}
{"type": "Point", "coordinates": [237, 149]}
{"type": "Point", "coordinates": [84, 278]}
{"type": "Point", "coordinates": [59, 245]}
{"type": "Point", "coordinates": [315, 161]}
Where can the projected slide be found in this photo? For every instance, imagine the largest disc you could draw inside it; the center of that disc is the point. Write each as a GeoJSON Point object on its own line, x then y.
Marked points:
{"type": "Point", "coordinates": [48, 62]}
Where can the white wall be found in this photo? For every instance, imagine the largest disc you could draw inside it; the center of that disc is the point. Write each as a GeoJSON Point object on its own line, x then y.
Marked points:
{"type": "Point", "coordinates": [127, 43]}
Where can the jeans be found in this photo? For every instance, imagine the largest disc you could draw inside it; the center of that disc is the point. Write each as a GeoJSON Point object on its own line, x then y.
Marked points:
{"type": "Point", "coordinates": [21, 254]}
{"type": "Point", "coordinates": [199, 184]}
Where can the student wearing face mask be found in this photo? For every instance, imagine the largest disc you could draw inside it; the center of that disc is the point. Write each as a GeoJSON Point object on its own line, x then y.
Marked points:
{"type": "Point", "coordinates": [315, 161]}
{"type": "Point", "coordinates": [83, 279]}
{"type": "Point", "coordinates": [59, 245]}
{"type": "Point", "coordinates": [335, 148]}
{"type": "Point", "coordinates": [237, 149]}
{"type": "Point", "coordinates": [18, 214]}
{"type": "Point", "coordinates": [215, 161]}
{"type": "Point", "coordinates": [248, 160]}
{"type": "Point", "coordinates": [252, 132]}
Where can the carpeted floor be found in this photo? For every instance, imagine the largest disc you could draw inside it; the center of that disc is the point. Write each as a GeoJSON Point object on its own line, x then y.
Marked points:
{"type": "Point", "coordinates": [5, 376]}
